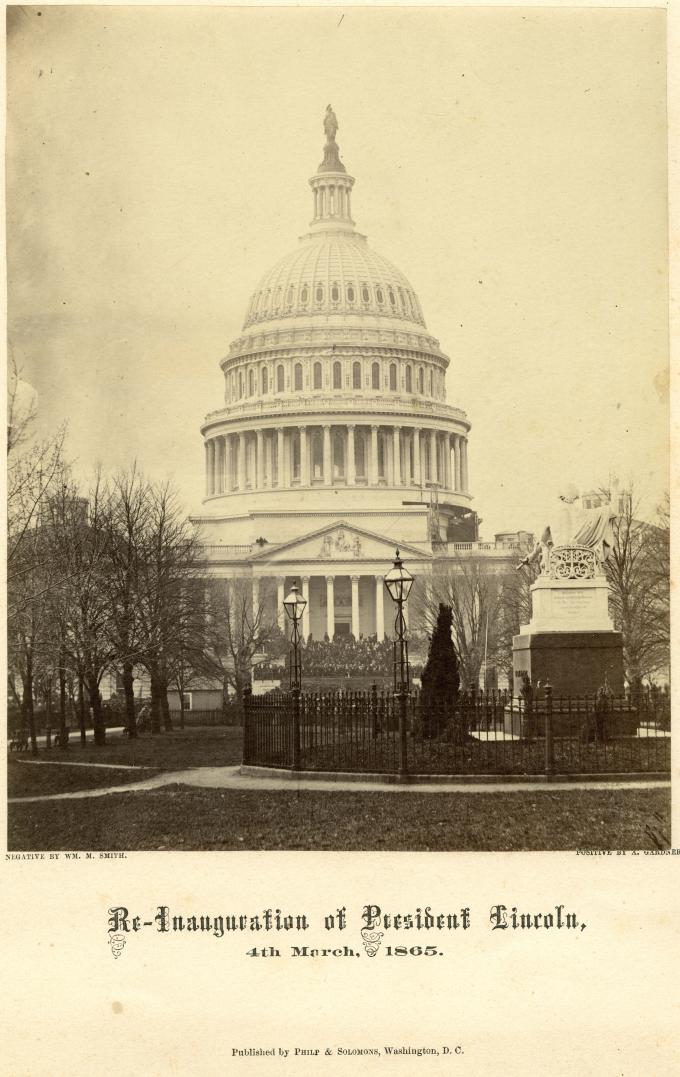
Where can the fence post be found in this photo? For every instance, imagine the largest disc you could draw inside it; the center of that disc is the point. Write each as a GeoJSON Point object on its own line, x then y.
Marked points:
{"type": "Point", "coordinates": [374, 710]}
{"type": "Point", "coordinates": [296, 728]}
{"type": "Point", "coordinates": [549, 752]}
{"type": "Point", "coordinates": [402, 698]}
{"type": "Point", "coordinates": [248, 718]}
{"type": "Point", "coordinates": [247, 724]}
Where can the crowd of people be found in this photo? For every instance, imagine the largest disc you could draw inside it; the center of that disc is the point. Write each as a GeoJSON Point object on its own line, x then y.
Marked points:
{"type": "Point", "coordinates": [343, 657]}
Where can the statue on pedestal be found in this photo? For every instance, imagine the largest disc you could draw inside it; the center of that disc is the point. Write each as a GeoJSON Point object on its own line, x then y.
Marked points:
{"type": "Point", "coordinates": [330, 124]}
{"type": "Point", "coordinates": [575, 527]}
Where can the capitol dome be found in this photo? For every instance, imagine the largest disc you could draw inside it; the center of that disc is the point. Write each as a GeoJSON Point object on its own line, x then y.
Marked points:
{"type": "Point", "coordinates": [334, 274]}
{"type": "Point", "coordinates": [334, 441]}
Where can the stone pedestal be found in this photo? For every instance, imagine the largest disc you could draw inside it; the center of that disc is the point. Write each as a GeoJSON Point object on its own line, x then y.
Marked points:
{"type": "Point", "coordinates": [570, 640]}
{"type": "Point", "coordinates": [575, 663]}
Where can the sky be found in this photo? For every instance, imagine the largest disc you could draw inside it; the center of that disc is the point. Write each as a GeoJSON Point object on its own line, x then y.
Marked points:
{"type": "Point", "coordinates": [511, 162]}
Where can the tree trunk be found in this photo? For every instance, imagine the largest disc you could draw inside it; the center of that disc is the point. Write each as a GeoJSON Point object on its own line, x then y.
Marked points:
{"type": "Point", "coordinates": [128, 688]}
{"type": "Point", "coordinates": [48, 713]}
{"type": "Point", "coordinates": [63, 731]}
{"type": "Point", "coordinates": [97, 715]}
{"type": "Point", "coordinates": [165, 706]}
{"type": "Point", "coordinates": [155, 703]}
{"type": "Point", "coordinates": [81, 711]}
{"type": "Point", "coordinates": [27, 706]}
{"type": "Point", "coordinates": [181, 709]}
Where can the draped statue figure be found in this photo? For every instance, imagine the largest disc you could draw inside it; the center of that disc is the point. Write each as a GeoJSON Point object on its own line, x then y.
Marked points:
{"type": "Point", "coordinates": [575, 525]}
{"type": "Point", "coordinates": [330, 124]}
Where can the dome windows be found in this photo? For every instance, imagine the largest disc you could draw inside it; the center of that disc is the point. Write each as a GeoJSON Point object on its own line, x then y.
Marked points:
{"type": "Point", "coordinates": [351, 294]}
{"type": "Point", "coordinates": [379, 295]}
{"type": "Point", "coordinates": [318, 294]}
{"type": "Point", "coordinates": [297, 377]}
{"type": "Point", "coordinates": [356, 375]}
{"type": "Point", "coordinates": [393, 301]}
{"type": "Point", "coordinates": [318, 377]}
{"type": "Point", "coordinates": [421, 380]}
{"type": "Point", "coordinates": [335, 292]}
{"type": "Point", "coordinates": [337, 375]}
{"type": "Point", "coordinates": [279, 378]}
{"type": "Point", "coordinates": [265, 381]}
{"type": "Point", "coordinates": [430, 383]}
{"type": "Point", "coordinates": [304, 295]}
{"type": "Point", "coordinates": [409, 379]}
{"type": "Point", "coordinates": [277, 297]}
{"type": "Point", "coordinates": [251, 382]}
{"type": "Point", "coordinates": [393, 377]}
{"type": "Point", "coordinates": [365, 294]}
{"type": "Point", "coordinates": [290, 295]}
{"type": "Point", "coordinates": [375, 376]}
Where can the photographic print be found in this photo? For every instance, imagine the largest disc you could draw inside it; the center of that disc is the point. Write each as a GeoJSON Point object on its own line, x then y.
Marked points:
{"type": "Point", "coordinates": [338, 429]}
{"type": "Point", "coordinates": [338, 571]}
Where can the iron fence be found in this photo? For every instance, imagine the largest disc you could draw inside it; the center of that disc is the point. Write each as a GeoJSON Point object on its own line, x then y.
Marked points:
{"type": "Point", "coordinates": [492, 732]}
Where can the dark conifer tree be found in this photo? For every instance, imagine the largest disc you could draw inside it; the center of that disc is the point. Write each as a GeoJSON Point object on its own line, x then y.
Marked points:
{"type": "Point", "coordinates": [441, 679]}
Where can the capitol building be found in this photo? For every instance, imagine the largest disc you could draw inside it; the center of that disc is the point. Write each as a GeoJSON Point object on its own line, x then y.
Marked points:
{"type": "Point", "coordinates": [335, 442]}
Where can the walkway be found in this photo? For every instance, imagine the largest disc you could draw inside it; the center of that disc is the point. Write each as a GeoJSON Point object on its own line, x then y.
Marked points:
{"type": "Point", "coordinates": [231, 779]}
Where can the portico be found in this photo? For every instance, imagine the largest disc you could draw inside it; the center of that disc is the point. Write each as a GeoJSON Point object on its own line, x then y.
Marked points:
{"type": "Point", "coordinates": [340, 571]}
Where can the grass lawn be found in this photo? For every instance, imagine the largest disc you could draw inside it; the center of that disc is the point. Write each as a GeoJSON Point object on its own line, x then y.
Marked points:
{"type": "Point", "coordinates": [166, 751]}
{"type": "Point", "coordinates": [182, 818]}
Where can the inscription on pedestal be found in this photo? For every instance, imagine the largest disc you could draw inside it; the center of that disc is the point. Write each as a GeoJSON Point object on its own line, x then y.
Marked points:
{"type": "Point", "coordinates": [571, 602]}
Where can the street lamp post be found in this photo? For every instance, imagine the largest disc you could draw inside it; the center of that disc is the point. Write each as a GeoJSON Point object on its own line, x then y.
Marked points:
{"type": "Point", "coordinates": [294, 605]}
{"type": "Point", "coordinates": [398, 582]}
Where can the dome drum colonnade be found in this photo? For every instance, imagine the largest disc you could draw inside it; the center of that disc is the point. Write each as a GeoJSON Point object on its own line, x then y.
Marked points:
{"type": "Point", "coordinates": [334, 384]}
{"type": "Point", "coordinates": [325, 454]}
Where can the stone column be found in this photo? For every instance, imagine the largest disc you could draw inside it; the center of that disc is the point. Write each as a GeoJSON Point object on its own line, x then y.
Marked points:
{"type": "Point", "coordinates": [417, 466]}
{"type": "Point", "coordinates": [351, 467]}
{"type": "Point", "coordinates": [456, 462]}
{"type": "Point", "coordinates": [373, 469]}
{"type": "Point", "coordinates": [228, 484]}
{"type": "Point", "coordinates": [327, 468]}
{"type": "Point", "coordinates": [280, 595]}
{"type": "Point", "coordinates": [447, 461]}
{"type": "Point", "coordinates": [355, 607]}
{"type": "Point", "coordinates": [464, 465]}
{"type": "Point", "coordinates": [207, 469]}
{"type": "Point", "coordinates": [212, 467]}
{"type": "Point", "coordinates": [269, 459]}
{"type": "Point", "coordinates": [242, 462]}
{"type": "Point", "coordinates": [396, 455]}
{"type": "Point", "coordinates": [380, 607]}
{"type": "Point", "coordinates": [217, 465]}
{"type": "Point", "coordinates": [279, 457]}
{"type": "Point", "coordinates": [306, 611]}
{"type": "Point", "coordinates": [330, 607]}
{"type": "Point", "coordinates": [256, 598]}
{"type": "Point", "coordinates": [304, 457]}
{"type": "Point", "coordinates": [433, 456]}
{"type": "Point", "coordinates": [260, 460]}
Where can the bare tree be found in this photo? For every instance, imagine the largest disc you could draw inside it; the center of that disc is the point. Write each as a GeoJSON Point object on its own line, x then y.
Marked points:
{"type": "Point", "coordinates": [638, 573]}
{"type": "Point", "coordinates": [474, 592]}
{"type": "Point", "coordinates": [77, 536]}
{"type": "Point", "coordinates": [128, 523]}
{"type": "Point", "coordinates": [35, 469]}
{"type": "Point", "coordinates": [170, 559]}
{"type": "Point", "coordinates": [237, 629]}
{"type": "Point", "coordinates": [515, 608]}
